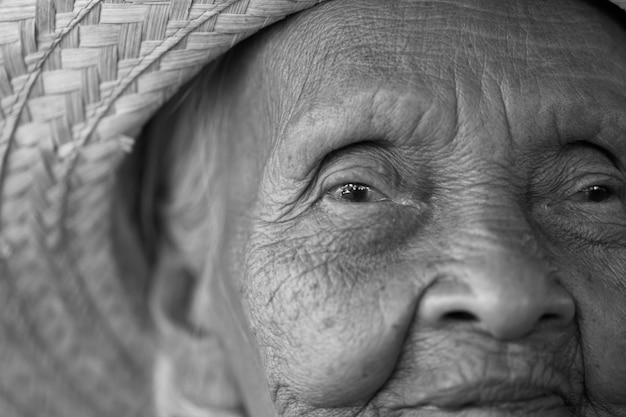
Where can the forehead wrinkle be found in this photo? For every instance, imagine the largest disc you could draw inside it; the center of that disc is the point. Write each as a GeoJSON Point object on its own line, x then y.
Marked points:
{"type": "Point", "coordinates": [534, 43]}
{"type": "Point", "coordinates": [314, 44]}
{"type": "Point", "coordinates": [317, 43]}
{"type": "Point", "coordinates": [295, 64]}
{"type": "Point", "coordinates": [341, 38]}
{"type": "Point", "coordinates": [364, 49]}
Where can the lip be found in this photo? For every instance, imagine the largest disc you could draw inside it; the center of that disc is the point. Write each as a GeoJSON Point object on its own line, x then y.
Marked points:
{"type": "Point", "coordinates": [504, 398]}
{"type": "Point", "coordinates": [482, 377]}
{"type": "Point", "coordinates": [551, 406]}
{"type": "Point", "coordinates": [495, 393]}
{"type": "Point", "coordinates": [478, 403]}
{"type": "Point", "coordinates": [513, 387]}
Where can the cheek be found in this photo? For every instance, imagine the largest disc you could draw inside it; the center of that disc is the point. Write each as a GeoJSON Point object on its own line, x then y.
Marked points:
{"type": "Point", "coordinates": [598, 284]}
{"type": "Point", "coordinates": [605, 357]}
{"type": "Point", "coordinates": [330, 326]}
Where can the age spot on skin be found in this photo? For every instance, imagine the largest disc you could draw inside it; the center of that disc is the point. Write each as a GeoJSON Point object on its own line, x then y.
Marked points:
{"type": "Point", "coordinates": [329, 322]}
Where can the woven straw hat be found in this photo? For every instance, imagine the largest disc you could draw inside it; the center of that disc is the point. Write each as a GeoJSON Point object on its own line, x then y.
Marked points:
{"type": "Point", "coordinates": [78, 79]}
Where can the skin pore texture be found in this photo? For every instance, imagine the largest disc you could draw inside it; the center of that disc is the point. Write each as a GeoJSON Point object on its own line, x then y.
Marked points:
{"type": "Point", "coordinates": [421, 211]}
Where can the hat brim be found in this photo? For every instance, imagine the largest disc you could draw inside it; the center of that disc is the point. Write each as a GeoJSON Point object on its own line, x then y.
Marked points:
{"type": "Point", "coordinates": [78, 79]}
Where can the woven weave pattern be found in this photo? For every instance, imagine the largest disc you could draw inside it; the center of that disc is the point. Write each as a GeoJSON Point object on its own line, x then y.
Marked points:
{"type": "Point", "coordinates": [77, 80]}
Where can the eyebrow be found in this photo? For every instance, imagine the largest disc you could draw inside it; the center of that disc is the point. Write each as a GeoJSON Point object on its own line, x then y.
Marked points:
{"type": "Point", "coordinates": [317, 133]}
{"type": "Point", "coordinates": [308, 144]}
{"type": "Point", "coordinates": [597, 118]}
{"type": "Point", "coordinates": [612, 142]}
{"type": "Point", "coordinates": [598, 148]}
{"type": "Point", "coordinates": [356, 148]}
{"type": "Point", "coordinates": [610, 139]}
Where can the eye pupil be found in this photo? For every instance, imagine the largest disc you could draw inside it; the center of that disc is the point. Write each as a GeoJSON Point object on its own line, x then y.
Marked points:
{"type": "Point", "coordinates": [597, 194]}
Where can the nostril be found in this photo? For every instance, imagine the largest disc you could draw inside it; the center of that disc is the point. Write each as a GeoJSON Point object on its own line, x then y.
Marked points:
{"type": "Point", "coordinates": [459, 316]}
{"type": "Point", "coordinates": [550, 317]}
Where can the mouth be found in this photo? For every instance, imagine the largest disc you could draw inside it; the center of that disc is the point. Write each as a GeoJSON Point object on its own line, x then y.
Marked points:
{"type": "Point", "coordinates": [482, 380]}
{"type": "Point", "coordinates": [491, 398]}
{"type": "Point", "coordinates": [537, 392]}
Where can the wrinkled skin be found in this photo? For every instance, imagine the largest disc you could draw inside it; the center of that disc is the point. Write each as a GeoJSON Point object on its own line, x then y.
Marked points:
{"type": "Point", "coordinates": [477, 267]}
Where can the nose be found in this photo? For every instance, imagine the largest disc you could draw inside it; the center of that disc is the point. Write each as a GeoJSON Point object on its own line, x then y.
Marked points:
{"type": "Point", "coordinates": [505, 295]}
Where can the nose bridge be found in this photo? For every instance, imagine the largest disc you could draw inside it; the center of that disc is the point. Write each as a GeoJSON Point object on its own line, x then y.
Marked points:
{"type": "Point", "coordinates": [502, 258]}
{"type": "Point", "coordinates": [499, 281]}
{"type": "Point", "coordinates": [498, 253]}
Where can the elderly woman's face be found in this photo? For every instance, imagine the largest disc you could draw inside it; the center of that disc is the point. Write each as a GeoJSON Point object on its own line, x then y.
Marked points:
{"type": "Point", "coordinates": [439, 226]}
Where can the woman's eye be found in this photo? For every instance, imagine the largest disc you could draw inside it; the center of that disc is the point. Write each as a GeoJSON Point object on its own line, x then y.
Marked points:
{"type": "Point", "coordinates": [596, 194]}
{"type": "Point", "coordinates": [356, 193]}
